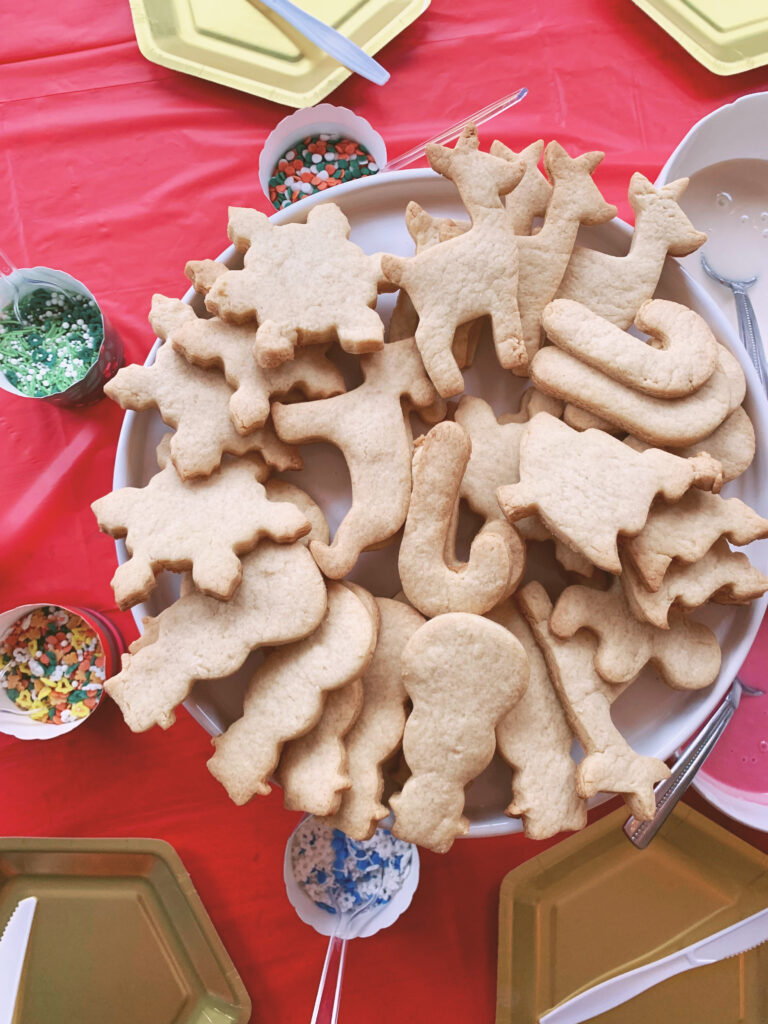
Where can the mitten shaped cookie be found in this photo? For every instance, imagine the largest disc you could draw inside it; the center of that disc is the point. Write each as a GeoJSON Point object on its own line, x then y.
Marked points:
{"type": "Point", "coordinates": [534, 738]}
{"type": "Point", "coordinates": [377, 733]}
{"type": "Point", "coordinates": [281, 598]}
{"type": "Point", "coordinates": [370, 428]}
{"type": "Point", "coordinates": [432, 583]}
{"type": "Point", "coordinates": [202, 525]}
{"type": "Point", "coordinates": [285, 697]}
{"type": "Point", "coordinates": [463, 673]}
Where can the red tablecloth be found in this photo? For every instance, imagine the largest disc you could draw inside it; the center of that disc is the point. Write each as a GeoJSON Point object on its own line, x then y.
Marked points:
{"type": "Point", "coordinates": [119, 171]}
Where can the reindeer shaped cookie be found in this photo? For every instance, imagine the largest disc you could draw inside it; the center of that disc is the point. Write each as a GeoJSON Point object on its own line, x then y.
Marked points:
{"type": "Point", "coordinates": [617, 286]}
{"type": "Point", "coordinates": [472, 275]}
{"type": "Point", "coordinates": [543, 257]}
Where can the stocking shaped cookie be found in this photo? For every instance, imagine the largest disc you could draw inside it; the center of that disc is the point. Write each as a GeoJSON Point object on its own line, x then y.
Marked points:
{"type": "Point", "coordinates": [544, 256]}
{"type": "Point", "coordinates": [721, 575]}
{"type": "Point", "coordinates": [497, 555]}
{"type": "Point", "coordinates": [378, 731]}
{"type": "Point", "coordinates": [339, 284]}
{"type": "Point", "coordinates": [534, 738]}
{"type": "Point", "coordinates": [686, 656]}
{"type": "Point", "coordinates": [229, 347]}
{"type": "Point", "coordinates": [369, 427]}
{"type": "Point", "coordinates": [463, 673]}
{"type": "Point", "coordinates": [203, 525]}
{"type": "Point", "coordinates": [195, 402]}
{"type": "Point", "coordinates": [732, 444]}
{"type": "Point", "coordinates": [281, 598]}
{"type": "Point", "coordinates": [285, 696]}
{"type": "Point", "coordinates": [667, 422]}
{"type": "Point", "coordinates": [587, 490]}
{"type": "Point", "coordinates": [680, 355]}
{"type": "Point", "coordinates": [615, 287]}
{"type": "Point", "coordinates": [610, 765]}
{"type": "Point", "coordinates": [313, 770]}
{"type": "Point", "coordinates": [685, 531]}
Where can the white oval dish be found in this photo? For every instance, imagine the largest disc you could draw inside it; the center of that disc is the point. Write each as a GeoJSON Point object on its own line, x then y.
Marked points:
{"type": "Point", "coordinates": [655, 719]}
{"type": "Point", "coordinates": [736, 131]}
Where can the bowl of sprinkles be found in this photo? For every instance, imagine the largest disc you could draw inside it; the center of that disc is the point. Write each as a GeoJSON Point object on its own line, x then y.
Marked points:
{"type": "Point", "coordinates": [55, 343]}
{"type": "Point", "coordinates": [316, 149]}
{"type": "Point", "coordinates": [329, 876]}
{"type": "Point", "coordinates": [53, 663]}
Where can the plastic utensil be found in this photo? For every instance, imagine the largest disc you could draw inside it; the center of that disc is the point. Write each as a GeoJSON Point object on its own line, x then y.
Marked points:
{"type": "Point", "coordinates": [361, 922]}
{"type": "Point", "coordinates": [478, 118]}
{"type": "Point", "coordinates": [332, 42]}
{"type": "Point", "coordinates": [668, 792]}
{"type": "Point", "coordinates": [749, 332]}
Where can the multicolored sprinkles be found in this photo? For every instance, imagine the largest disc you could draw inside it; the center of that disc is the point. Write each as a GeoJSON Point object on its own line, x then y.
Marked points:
{"type": "Point", "coordinates": [339, 873]}
{"type": "Point", "coordinates": [52, 344]}
{"type": "Point", "coordinates": [315, 164]}
{"type": "Point", "coordinates": [52, 665]}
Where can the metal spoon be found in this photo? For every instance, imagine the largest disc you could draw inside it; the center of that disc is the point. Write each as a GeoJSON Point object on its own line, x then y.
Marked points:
{"type": "Point", "coordinates": [748, 329]}
{"type": "Point", "coordinates": [669, 791]}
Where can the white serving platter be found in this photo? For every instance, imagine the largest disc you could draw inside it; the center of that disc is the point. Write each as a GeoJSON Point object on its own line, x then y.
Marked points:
{"type": "Point", "coordinates": [655, 719]}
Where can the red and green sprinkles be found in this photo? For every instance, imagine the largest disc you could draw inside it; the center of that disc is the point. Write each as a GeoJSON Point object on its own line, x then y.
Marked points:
{"type": "Point", "coordinates": [52, 665]}
{"type": "Point", "coordinates": [315, 164]}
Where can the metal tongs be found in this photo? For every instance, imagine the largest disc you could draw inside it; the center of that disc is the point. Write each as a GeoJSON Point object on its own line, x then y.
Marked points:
{"type": "Point", "coordinates": [669, 791]}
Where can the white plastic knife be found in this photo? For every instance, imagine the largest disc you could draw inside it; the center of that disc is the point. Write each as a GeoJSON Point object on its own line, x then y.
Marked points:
{"type": "Point", "coordinates": [729, 942]}
{"type": "Point", "coordinates": [13, 950]}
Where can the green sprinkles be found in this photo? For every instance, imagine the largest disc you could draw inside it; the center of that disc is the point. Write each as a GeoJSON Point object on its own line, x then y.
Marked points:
{"type": "Point", "coordinates": [53, 344]}
{"type": "Point", "coordinates": [315, 164]}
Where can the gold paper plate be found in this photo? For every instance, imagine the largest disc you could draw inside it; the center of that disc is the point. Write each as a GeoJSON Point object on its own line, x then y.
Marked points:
{"type": "Point", "coordinates": [243, 45]}
{"type": "Point", "coordinates": [119, 936]}
{"type": "Point", "coordinates": [726, 37]}
{"type": "Point", "coordinates": [594, 906]}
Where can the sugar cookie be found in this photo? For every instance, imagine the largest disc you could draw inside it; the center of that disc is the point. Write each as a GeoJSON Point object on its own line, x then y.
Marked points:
{"type": "Point", "coordinates": [378, 731]}
{"type": "Point", "coordinates": [610, 765]}
{"type": "Point", "coordinates": [281, 598]}
{"type": "Point", "coordinates": [285, 697]}
{"type": "Point", "coordinates": [497, 555]}
{"type": "Point", "coordinates": [203, 525]}
{"type": "Point", "coordinates": [463, 674]}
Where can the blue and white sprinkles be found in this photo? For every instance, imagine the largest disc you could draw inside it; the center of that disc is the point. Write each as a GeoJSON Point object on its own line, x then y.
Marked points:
{"type": "Point", "coordinates": [340, 874]}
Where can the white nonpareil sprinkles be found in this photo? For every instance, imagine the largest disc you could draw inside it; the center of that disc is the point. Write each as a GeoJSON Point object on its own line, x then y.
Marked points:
{"type": "Point", "coordinates": [339, 873]}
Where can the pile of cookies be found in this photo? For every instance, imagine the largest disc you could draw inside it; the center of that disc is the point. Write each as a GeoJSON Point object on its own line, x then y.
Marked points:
{"type": "Point", "coordinates": [630, 423]}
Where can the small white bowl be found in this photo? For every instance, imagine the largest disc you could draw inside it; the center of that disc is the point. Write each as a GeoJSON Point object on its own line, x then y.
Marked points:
{"type": "Point", "coordinates": [322, 119]}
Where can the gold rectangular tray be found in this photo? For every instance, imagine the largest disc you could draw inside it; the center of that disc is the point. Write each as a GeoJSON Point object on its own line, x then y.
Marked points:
{"type": "Point", "coordinates": [245, 46]}
{"type": "Point", "coordinates": [726, 37]}
{"type": "Point", "coordinates": [594, 906]}
{"type": "Point", "coordinates": [119, 936]}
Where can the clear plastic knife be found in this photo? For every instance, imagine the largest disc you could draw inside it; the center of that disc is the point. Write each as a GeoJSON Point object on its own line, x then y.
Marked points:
{"type": "Point", "coordinates": [740, 937]}
{"type": "Point", "coordinates": [13, 951]}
